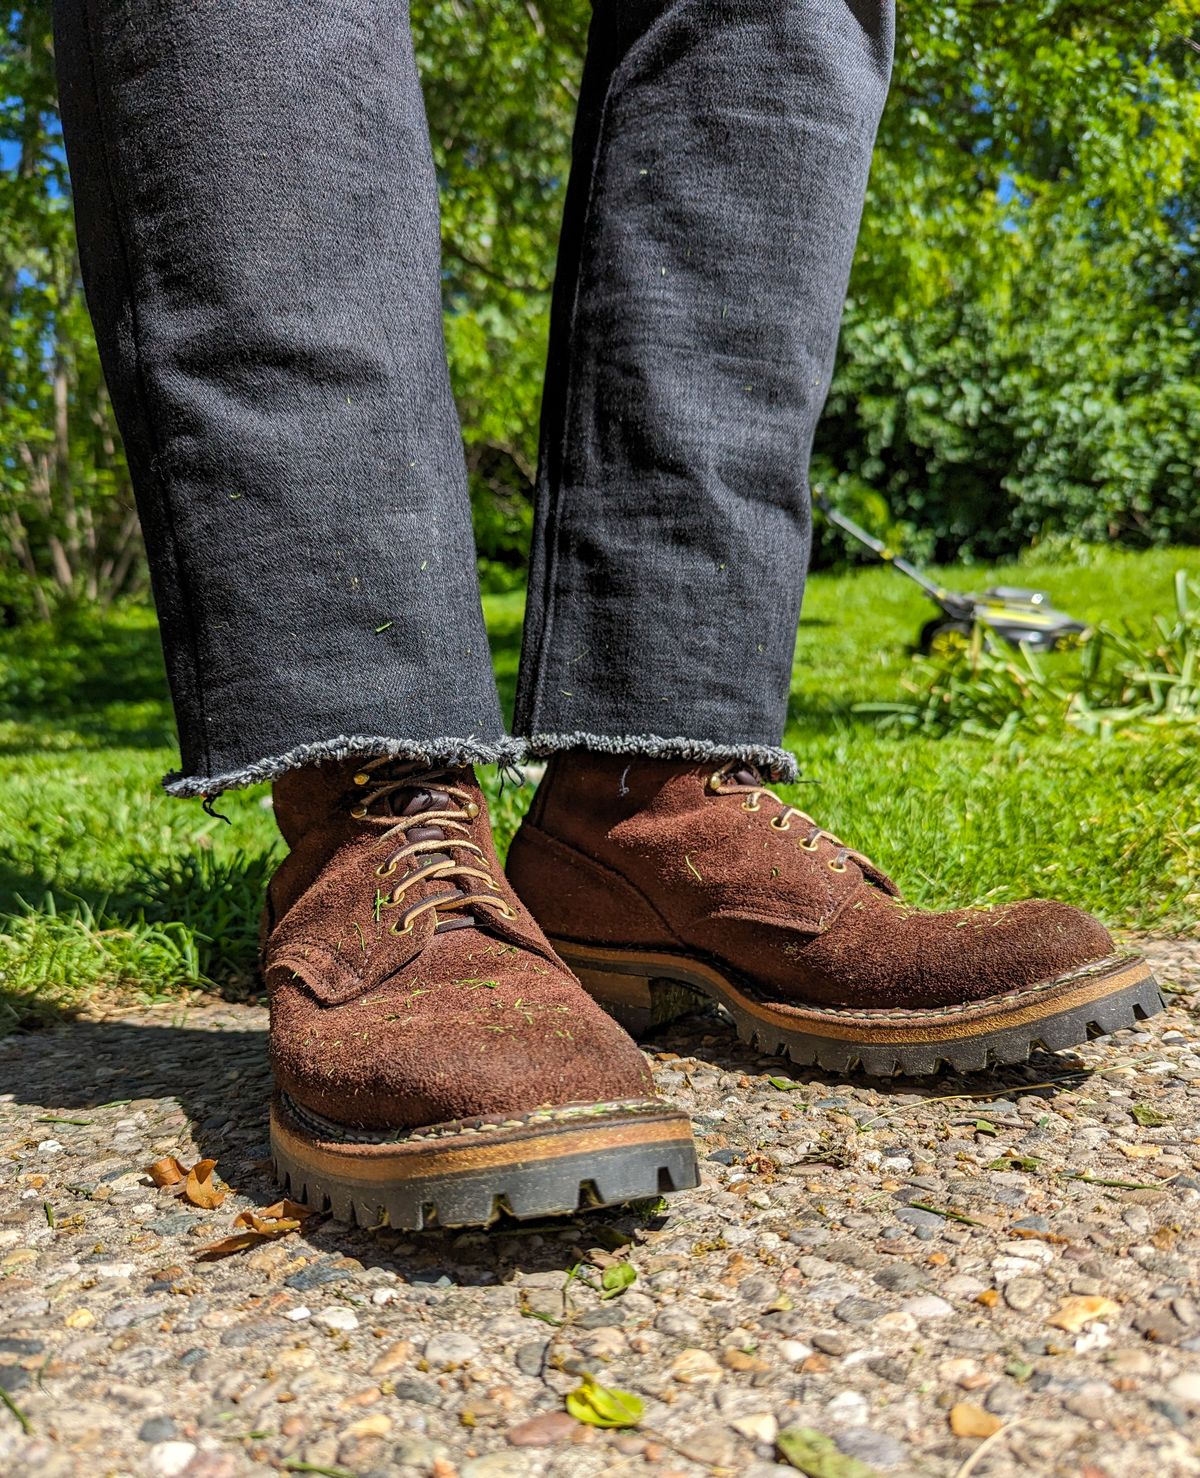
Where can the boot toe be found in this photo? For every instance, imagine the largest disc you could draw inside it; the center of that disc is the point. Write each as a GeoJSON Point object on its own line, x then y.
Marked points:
{"type": "Point", "coordinates": [509, 1045]}
{"type": "Point", "coordinates": [904, 958]}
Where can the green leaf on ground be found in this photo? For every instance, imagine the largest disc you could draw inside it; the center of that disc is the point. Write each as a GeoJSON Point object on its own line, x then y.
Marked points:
{"type": "Point", "coordinates": [1149, 1118]}
{"type": "Point", "coordinates": [617, 1278]}
{"type": "Point", "coordinates": [1028, 1163]}
{"type": "Point", "coordinates": [604, 1406]}
{"type": "Point", "coordinates": [818, 1456]}
{"type": "Point", "coordinates": [7, 1400]}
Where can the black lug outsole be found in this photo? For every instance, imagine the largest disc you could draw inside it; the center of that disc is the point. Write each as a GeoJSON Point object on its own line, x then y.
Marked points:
{"type": "Point", "coordinates": [969, 1055]}
{"type": "Point", "coordinates": [523, 1189]}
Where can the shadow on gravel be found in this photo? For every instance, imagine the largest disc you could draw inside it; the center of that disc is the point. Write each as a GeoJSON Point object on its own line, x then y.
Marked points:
{"type": "Point", "coordinates": [710, 1038]}
{"type": "Point", "coordinates": [219, 1077]}
{"type": "Point", "coordinates": [222, 1083]}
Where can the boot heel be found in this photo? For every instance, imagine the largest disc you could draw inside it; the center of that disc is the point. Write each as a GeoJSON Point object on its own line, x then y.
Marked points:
{"type": "Point", "coordinates": [640, 1003]}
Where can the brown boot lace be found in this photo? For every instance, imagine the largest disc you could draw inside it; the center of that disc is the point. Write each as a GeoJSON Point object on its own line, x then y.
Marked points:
{"type": "Point", "coordinates": [434, 825]}
{"type": "Point", "coordinates": [747, 782]}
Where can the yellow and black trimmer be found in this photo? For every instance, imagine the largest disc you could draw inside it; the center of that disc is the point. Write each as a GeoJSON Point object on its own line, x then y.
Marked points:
{"type": "Point", "coordinates": [1019, 617]}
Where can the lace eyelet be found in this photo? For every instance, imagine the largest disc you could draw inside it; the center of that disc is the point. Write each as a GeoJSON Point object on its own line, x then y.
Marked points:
{"type": "Point", "coordinates": [714, 781]}
{"type": "Point", "coordinates": [837, 866]}
{"type": "Point", "coordinates": [508, 913]}
{"type": "Point", "coordinates": [811, 846]}
{"type": "Point", "coordinates": [358, 812]}
{"type": "Point", "coordinates": [385, 872]}
{"type": "Point", "coordinates": [407, 929]}
{"type": "Point", "coordinates": [362, 778]}
{"type": "Point", "coordinates": [472, 809]}
{"type": "Point", "coordinates": [751, 805]}
{"type": "Point", "coordinates": [780, 824]}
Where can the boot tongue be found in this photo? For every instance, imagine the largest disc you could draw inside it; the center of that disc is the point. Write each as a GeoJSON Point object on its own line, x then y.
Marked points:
{"type": "Point", "coordinates": [433, 800]}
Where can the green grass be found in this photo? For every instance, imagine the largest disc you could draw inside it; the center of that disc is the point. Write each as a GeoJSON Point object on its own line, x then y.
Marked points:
{"type": "Point", "coordinates": [108, 885]}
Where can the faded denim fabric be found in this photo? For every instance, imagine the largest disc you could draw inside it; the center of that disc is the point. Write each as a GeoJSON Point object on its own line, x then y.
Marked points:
{"type": "Point", "coordinates": [257, 213]}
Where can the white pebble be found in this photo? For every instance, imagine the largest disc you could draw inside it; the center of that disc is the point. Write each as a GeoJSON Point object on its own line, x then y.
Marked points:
{"type": "Point", "coordinates": [298, 1313]}
{"type": "Point", "coordinates": [383, 1296]}
{"type": "Point", "coordinates": [170, 1458]}
{"type": "Point", "coordinates": [49, 1147]}
{"type": "Point", "coordinates": [1185, 1389]}
{"type": "Point", "coordinates": [793, 1351]}
{"type": "Point", "coordinates": [896, 1322]}
{"type": "Point", "coordinates": [760, 1426]}
{"type": "Point", "coordinates": [337, 1317]}
{"type": "Point", "coordinates": [849, 1407]}
{"type": "Point", "coordinates": [927, 1306]}
{"type": "Point", "coordinates": [1004, 1269]}
{"type": "Point", "coordinates": [445, 1350]}
{"type": "Point", "coordinates": [962, 1285]}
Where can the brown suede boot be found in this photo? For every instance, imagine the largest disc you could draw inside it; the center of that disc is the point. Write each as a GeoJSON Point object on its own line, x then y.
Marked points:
{"type": "Point", "coordinates": [434, 1061]}
{"type": "Point", "coordinates": [656, 880]}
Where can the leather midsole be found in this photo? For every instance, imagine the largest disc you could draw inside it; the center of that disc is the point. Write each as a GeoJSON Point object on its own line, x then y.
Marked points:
{"type": "Point", "coordinates": [921, 1025]}
{"type": "Point", "coordinates": [384, 1162]}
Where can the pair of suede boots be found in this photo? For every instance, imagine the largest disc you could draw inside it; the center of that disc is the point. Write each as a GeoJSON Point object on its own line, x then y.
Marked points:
{"type": "Point", "coordinates": [445, 1038]}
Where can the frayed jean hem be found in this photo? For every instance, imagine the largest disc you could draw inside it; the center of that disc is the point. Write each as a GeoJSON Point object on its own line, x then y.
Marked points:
{"type": "Point", "coordinates": [451, 753]}
{"type": "Point", "coordinates": [776, 764]}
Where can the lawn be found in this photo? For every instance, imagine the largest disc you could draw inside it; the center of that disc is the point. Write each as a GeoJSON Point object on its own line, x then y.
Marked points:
{"type": "Point", "coordinates": [107, 884]}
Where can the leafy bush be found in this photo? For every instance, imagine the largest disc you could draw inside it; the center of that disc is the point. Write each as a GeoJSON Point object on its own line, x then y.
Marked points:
{"type": "Point", "coordinates": [1019, 356]}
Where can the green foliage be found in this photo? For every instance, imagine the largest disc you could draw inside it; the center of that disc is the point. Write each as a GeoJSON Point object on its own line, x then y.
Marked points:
{"type": "Point", "coordinates": [1019, 356]}
{"type": "Point", "coordinates": [604, 1406]}
{"type": "Point", "coordinates": [500, 81]}
{"type": "Point", "coordinates": [67, 525]}
{"type": "Point", "coordinates": [109, 886]}
{"type": "Point", "coordinates": [1020, 353]}
{"type": "Point", "coordinates": [818, 1456]}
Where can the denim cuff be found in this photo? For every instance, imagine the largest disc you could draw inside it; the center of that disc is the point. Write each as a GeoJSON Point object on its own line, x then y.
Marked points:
{"type": "Point", "coordinates": [776, 764]}
{"type": "Point", "coordinates": [451, 753]}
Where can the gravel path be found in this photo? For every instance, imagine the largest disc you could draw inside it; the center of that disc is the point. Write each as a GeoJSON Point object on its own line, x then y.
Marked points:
{"type": "Point", "coordinates": [888, 1265]}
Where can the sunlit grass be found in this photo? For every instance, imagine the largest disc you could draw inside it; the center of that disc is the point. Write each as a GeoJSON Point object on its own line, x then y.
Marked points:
{"type": "Point", "coordinates": [108, 885]}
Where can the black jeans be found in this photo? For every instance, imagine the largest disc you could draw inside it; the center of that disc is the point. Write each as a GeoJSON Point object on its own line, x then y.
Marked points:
{"type": "Point", "coordinates": [258, 228]}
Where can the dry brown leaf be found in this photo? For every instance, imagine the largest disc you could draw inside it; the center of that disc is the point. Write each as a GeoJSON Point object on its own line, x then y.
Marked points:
{"type": "Point", "coordinates": [1073, 1313]}
{"type": "Point", "coordinates": [1140, 1151]}
{"type": "Point", "coordinates": [267, 1225]}
{"type": "Point", "coordinates": [279, 1211]}
{"type": "Point", "coordinates": [1032, 1232]}
{"type": "Point", "coordinates": [167, 1171]}
{"type": "Point", "coordinates": [199, 1189]}
{"type": "Point", "coordinates": [969, 1420]}
{"type": "Point", "coordinates": [989, 1298]}
{"type": "Point", "coordinates": [239, 1242]}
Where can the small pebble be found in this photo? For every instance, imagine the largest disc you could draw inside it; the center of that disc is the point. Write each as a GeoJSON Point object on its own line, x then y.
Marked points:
{"type": "Point", "coordinates": [337, 1317]}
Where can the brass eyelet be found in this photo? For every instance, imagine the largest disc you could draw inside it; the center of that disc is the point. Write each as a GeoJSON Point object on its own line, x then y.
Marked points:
{"type": "Point", "coordinates": [751, 805]}
{"type": "Point", "coordinates": [472, 809]}
{"type": "Point", "coordinates": [714, 781]}
{"type": "Point", "coordinates": [396, 929]}
{"type": "Point", "coordinates": [385, 872]}
{"type": "Point", "coordinates": [362, 778]}
{"type": "Point", "coordinates": [837, 867]}
{"type": "Point", "coordinates": [811, 846]}
{"type": "Point", "coordinates": [358, 812]}
{"type": "Point", "coordinates": [780, 824]}
{"type": "Point", "coordinates": [509, 913]}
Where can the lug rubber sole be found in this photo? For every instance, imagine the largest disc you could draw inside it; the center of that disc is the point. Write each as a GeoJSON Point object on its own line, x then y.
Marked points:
{"type": "Point", "coordinates": [648, 989]}
{"type": "Point", "coordinates": [550, 1162]}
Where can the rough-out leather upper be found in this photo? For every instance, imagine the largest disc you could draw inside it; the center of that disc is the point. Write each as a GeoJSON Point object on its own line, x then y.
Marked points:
{"type": "Point", "coordinates": [378, 1027]}
{"type": "Point", "coordinates": [654, 854]}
